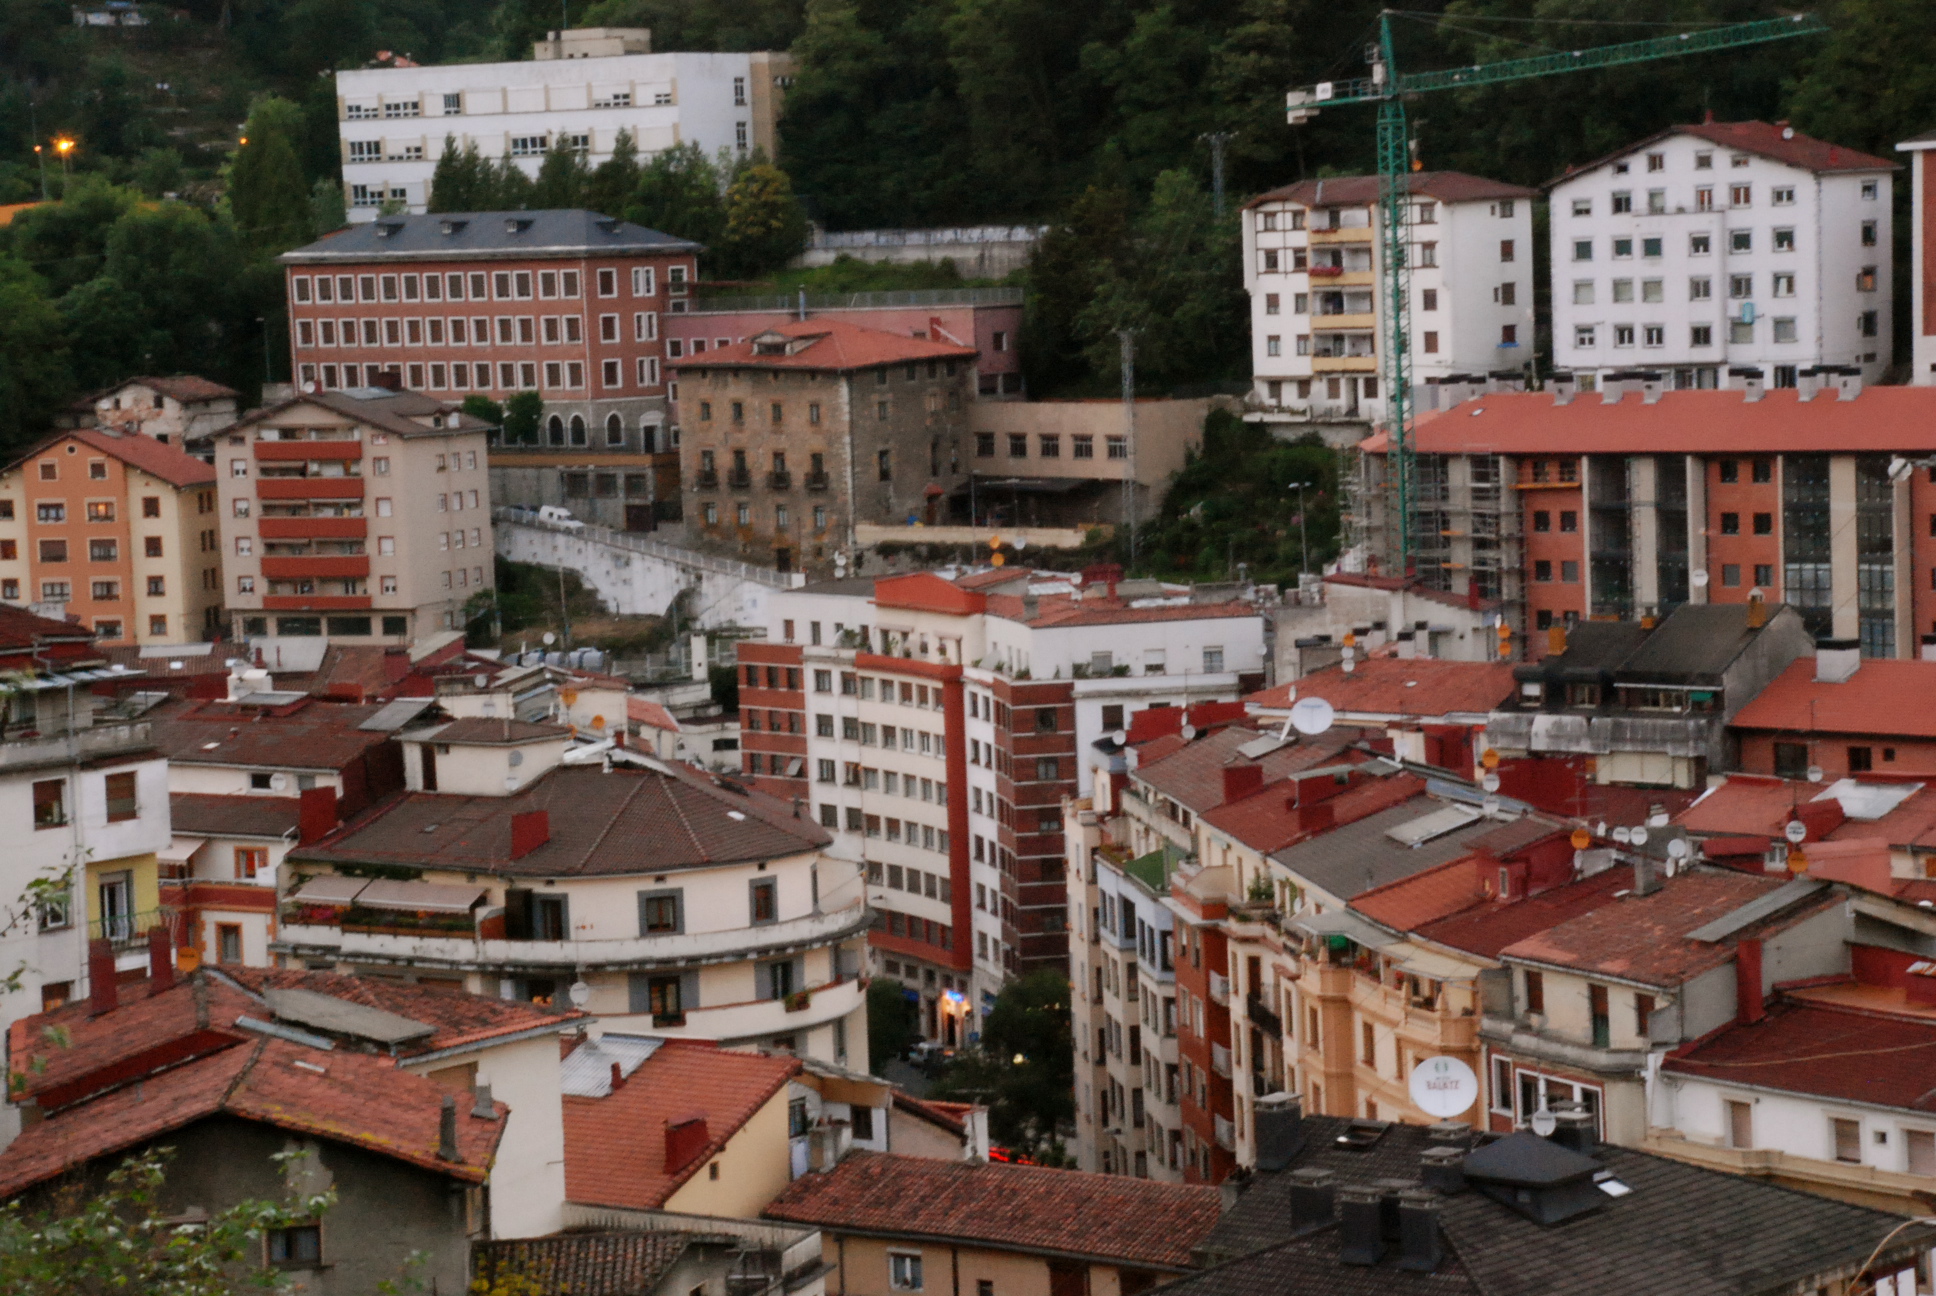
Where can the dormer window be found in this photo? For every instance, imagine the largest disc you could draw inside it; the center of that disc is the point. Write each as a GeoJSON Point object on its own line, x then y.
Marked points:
{"type": "Point", "coordinates": [516, 226]}
{"type": "Point", "coordinates": [452, 226]}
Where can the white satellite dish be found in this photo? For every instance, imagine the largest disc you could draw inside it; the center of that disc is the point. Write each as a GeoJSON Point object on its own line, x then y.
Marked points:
{"type": "Point", "coordinates": [1796, 832]}
{"type": "Point", "coordinates": [1698, 578]}
{"type": "Point", "coordinates": [1189, 732]}
{"type": "Point", "coordinates": [1544, 1123]}
{"type": "Point", "coordinates": [550, 638]}
{"type": "Point", "coordinates": [1638, 836]}
{"type": "Point", "coordinates": [1621, 835]}
{"type": "Point", "coordinates": [1120, 737]}
{"type": "Point", "coordinates": [1311, 715]}
{"type": "Point", "coordinates": [1815, 774]}
{"type": "Point", "coordinates": [1490, 782]}
{"type": "Point", "coordinates": [1019, 543]}
{"type": "Point", "coordinates": [1679, 849]}
{"type": "Point", "coordinates": [1444, 1087]}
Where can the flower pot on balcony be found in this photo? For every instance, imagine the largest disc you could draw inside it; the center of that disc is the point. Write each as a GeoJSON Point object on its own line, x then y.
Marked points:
{"type": "Point", "coordinates": [798, 1001]}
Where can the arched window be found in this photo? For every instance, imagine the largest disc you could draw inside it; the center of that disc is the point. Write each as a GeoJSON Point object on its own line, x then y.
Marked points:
{"type": "Point", "coordinates": [578, 429]}
{"type": "Point", "coordinates": [555, 431]}
{"type": "Point", "coordinates": [614, 430]}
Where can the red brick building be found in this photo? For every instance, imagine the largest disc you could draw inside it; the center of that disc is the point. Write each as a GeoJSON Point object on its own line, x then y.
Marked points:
{"type": "Point", "coordinates": [564, 303]}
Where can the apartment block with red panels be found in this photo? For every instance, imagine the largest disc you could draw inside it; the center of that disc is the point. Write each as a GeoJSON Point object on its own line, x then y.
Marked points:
{"type": "Point", "coordinates": [1034, 760]}
{"type": "Point", "coordinates": [1554, 503]}
{"type": "Point", "coordinates": [773, 719]}
{"type": "Point", "coordinates": [564, 303]}
{"type": "Point", "coordinates": [1743, 527]}
{"type": "Point", "coordinates": [1208, 1100]}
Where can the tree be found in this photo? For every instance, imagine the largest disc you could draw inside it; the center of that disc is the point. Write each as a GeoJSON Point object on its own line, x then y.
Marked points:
{"type": "Point", "coordinates": [518, 24]}
{"type": "Point", "coordinates": [765, 226]}
{"type": "Point", "coordinates": [327, 211]}
{"type": "Point", "coordinates": [34, 366]}
{"type": "Point", "coordinates": [561, 177]}
{"type": "Point", "coordinates": [1024, 1066]}
{"type": "Point", "coordinates": [461, 181]}
{"type": "Point", "coordinates": [612, 182]}
{"type": "Point", "coordinates": [66, 241]}
{"type": "Point", "coordinates": [679, 194]}
{"type": "Point", "coordinates": [267, 192]}
{"type": "Point", "coordinates": [484, 409]}
{"type": "Point", "coordinates": [158, 171]}
{"type": "Point", "coordinates": [510, 188]}
{"type": "Point", "coordinates": [893, 1022]}
{"type": "Point", "coordinates": [116, 1239]}
{"type": "Point", "coordinates": [522, 414]}
{"type": "Point", "coordinates": [1064, 272]}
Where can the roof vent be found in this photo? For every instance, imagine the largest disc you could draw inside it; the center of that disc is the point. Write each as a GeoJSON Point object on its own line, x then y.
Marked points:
{"type": "Point", "coordinates": [387, 229]}
{"type": "Point", "coordinates": [1361, 1225]}
{"type": "Point", "coordinates": [1279, 1126]}
{"type": "Point", "coordinates": [1749, 380]}
{"type": "Point", "coordinates": [447, 1130]}
{"type": "Point", "coordinates": [1837, 660]}
{"type": "Point", "coordinates": [516, 225]}
{"type": "Point", "coordinates": [1537, 1177]}
{"type": "Point", "coordinates": [1313, 1198]}
{"type": "Point", "coordinates": [451, 226]}
{"type": "Point", "coordinates": [608, 225]}
{"type": "Point", "coordinates": [1564, 387]}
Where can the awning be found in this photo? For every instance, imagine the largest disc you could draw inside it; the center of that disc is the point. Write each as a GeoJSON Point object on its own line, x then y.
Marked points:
{"type": "Point", "coordinates": [178, 850]}
{"type": "Point", "coordinates": [1028, 485]}
{"type": "Point", "coordinates": [1342, 922]}
{"type": "Point", "coordinates": [424, 897]}
{"type": "Point", "coordinates": [330, 890]}
{"type": "Point", "coordinates": [1432, 965]}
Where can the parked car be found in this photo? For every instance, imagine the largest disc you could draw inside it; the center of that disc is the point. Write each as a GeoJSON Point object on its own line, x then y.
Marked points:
{"type": "Point", "coordinates": [559, 517]}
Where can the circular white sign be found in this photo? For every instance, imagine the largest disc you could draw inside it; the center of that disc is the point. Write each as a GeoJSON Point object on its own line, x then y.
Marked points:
{"type": "Point", "coordinates": [1311, 715]}
{"type": "Point", "coordinates": [1443, 1087]}
{"type": "Point", "coordinates": [1698, 577]}
{"type": "Point", "coordinates": [1544, 1123]}
{"type": "Point", "coordinates": [1795, 832]}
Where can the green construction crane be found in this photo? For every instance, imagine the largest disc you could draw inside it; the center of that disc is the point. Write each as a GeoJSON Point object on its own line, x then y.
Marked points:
{"type": "Point", "coordinates": [1387, 88]}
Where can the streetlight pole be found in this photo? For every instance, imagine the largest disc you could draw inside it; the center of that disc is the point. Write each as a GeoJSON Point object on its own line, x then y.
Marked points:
{"type": "Point", "coordinates": [1128, 338]}
{"type": "Point", "coordinates": [1303, 537]}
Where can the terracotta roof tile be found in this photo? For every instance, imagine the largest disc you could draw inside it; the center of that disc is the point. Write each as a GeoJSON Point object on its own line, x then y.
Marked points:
{"type": "Point", "coordinates": [653, 715]}
{"type": "Point", "coordinates": [1362, 190]}
{"type": "Point", "coordinates": [210, 814]}
{"type": "Point", "coordinates": [1765, 139]}
{"type": "Point", "coordinates": [186, 388]}
{"type": "Point", "coordinates": [1191, 773]}
{"type": "Point", "coordinates": [1267, 822]}
{"type": "Point", "coordinates": [1112, 1218]}
{"type": "Point", "coordinates": [582, 1264]}
{"type": "Point", "coordinates": [1869, 702]}
{"type": "Point", "coordinates": [166, 462]}
{"type": "Point", "coordinates": [316, 735]}
{"type": "Point", "coordinates": [615, 1146]}
{"type": "Point", "coordinates": [836, 345]}
{"type": "Point", "coordinates": [601, 824]}
{"type": "Point", "coordinates": [1487, 927]}
{"type": "Point", "coordinates": [460, 1017]}
{"type": "Point", "coordinates": [483, 731]}
{"type": "Point", "coordinates": [1055, 611]}
{"type": "Point", "coordinates": [21, 629]}
{"type": "Point", "coordinates": [1417, 687]}
{"type": "Point", "coordinates": [1826, 1052]}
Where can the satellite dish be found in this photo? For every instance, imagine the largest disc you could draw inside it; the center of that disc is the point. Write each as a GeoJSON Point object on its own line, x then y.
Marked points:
{"type": "Point", "coordinates": [1678, 849]}
{"type": "Point", "coordinates": [1443, 1087]}
{"type": "Point", "coordinates": [550, 638]}
{"type": "Point", "coordinates": [278, 781]}
{"type": "Point", "coordinates": [1697, 578]}
{"type": "Point", "coordinates": [1020, 544]}
{"type": "Point", "coordinates": [581, 994]}
{"type": "Point", "coordinates": [1796, 832]}
{"type": "Point", "coordinates": [1312, 715]}
{"type": "Point", "coordinates": [1120, 737]}
{"type": "Point", "coordinates": [1621, 835]}
{"type": "Point", "coordinates": [1815, 774]}
{"type": "Point", "coordinates": [1490, 782]}
{"type": "Point", "coordinates": [1544, 1123]}
{"type": "Point", "coordinates": [515, 759]}
{"type": "Point", "coordinates": [1189, 732]}
{"type": "Point", "coordinates": [1491, 806]}
{"type": "Point", "coordinates": [481, 680]}
{"type": "Point", "coordinates": [1638, 836]}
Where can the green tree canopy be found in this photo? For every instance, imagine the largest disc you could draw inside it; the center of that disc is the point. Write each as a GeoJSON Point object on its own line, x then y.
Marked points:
{"type": "Point", "coordinates": [462, 179]}
{"type": "Point", "coordinates": [35, 376]}
{"type": "Point", "coordinates": [679, 193]}
{"type": "Point", "coordinates": [765, 225]}
{"type": "Point", "coordinates": [1024, 1066]}
{"type": "Point", "coordinates": [893, 1022]}
{"type": "Point", "coordinates": [66, 242]}
{"type": "Point", "coordinates": [612, 182]}
{"type": "Point", "coordinates": [267, 192]}
{"type": "Point", "coordinates": [522, 414]}
{"type": "Point", "coordinates": [561, 177]}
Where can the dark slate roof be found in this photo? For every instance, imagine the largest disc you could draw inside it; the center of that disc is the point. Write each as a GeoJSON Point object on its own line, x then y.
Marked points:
{"type": "Point", "coordinates": [582, 1264]}
{"type": "Point", "coordinates": [396, 412]}
{"type": "Point", "coordinates": [1308, 1266]}
{"type": "Point", "coordinates": [624, 822]}
{"type": "Point", "coordinates": [1681, 1231]}
{"type": "Point", "coordinates": [210, 814]}
{"type": "Point", "coordinates": [1594, 650]}
{"type": "Point", "coordinates": [1695, 644]}
{"type": "Point", "coordinates": [1356, 857]}
{"type": "Point", "coordinates": [499, 235]}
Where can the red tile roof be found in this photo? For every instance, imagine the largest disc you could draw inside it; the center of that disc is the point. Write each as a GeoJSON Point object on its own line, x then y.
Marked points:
{"type": "Point", "coordinates": [1411, 688]}
{"type": "Point", "coordinates": [209, 814]}
{"type": "Point", "coordinates": [1747, 804]}
{"type": "Point", "coordinates": [1056, 611]}
{"type": "Point", "coordinates": [834, 345]}
{"type": "Point", "coordinates": [615, 1146]}
{"type": "Point", "coordinates": [1191, 773]}
{"type": "Point", "coordinates": [353, 1098]}
{"type": "Point", "coordinates": [483, 731]}
{"type": "Point", "coordinates": [1362, 190]}
{"type": "Point", "coordinates": [1775, 140]}
{"type": "Point", "coordinates": [1487, 927]}
{"type": "Point", "coordinates": [1111, 1218]}
{"type": "Point", "coordinates": [21, 629]}
{"type": "Point", "coordinates": [459, 1017]}
{"type": "Point", "coordinates": [927, 592]}
{"type": "Point", "coordinates": [1644, 938]}
{"type": "Point", "coordinates": [182, 387]}
{"type": "Point", "coordinates": [165, 462]}
{"type": "Point", "coordinates": [1869, 702]}
{"type": "Point", "coordinates": [1267, 823]}
{"type": "Point", "coordinates": [1810, 1048]}
{"type": "Point", "coordinates": [315, 735]}
{"type": "Point", "coordinates": [1880, 419]}
{"type": "Point", "coordinates": [653, 715]}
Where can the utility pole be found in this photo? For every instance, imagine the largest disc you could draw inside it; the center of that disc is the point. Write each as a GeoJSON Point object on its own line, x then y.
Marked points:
{"type": "Point", "coordinates": [1303, 540]}
{"type": "Point", "coordinates": [1216, 140]}
{"type": "Point", "coordinates": [564, 609]}
{"type": "Point", "coordinates": [1128, 338]}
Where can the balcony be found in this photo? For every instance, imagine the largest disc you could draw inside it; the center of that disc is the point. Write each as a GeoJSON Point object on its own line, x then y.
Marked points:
{"type": "Point", "coordinates": [706, 479]}
{"type": "Point", "coordinates": [1344, 364]}
{"type": "Point", "coordinates": [1343, 320]}
{"type": "Point", "coordinates": [1358, 234]}
{"type": "Point", "coordinates": [1226, 1134]}
{"type": "Point", "coordinates": [471, 951]}
{"type": "Point", "coordinates": [127, 931]}
{"type": "Point", "coordinates": [101, 741]}
{"type": "Point", "coordinates": [779, 479]}
{"type": "Point", "coordinates": [816, 481]}
{"type": "Point", "coordinates": [739, 479]}
{"type": "Point", "coordinates": [313, 528]}
{"type": "Point", "coordinates": [294, 488]}
{"type": "Point", "coordinates": [1219, 988]}
{"type": "Point", "coordinates": [302, 451]}
{"type": "Point", "coordinates": [317, 602]}
{"type": "Point", "coordinates": [1220, 1060]}
{"type": "Point", "coordinates": [320, 566]}
{"type": "Point", "coordinates": [1263, 1018]}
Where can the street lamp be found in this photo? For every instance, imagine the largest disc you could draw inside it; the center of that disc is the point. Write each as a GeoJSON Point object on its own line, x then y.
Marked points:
{"type": "Point", "coordinates": [1303, 539]}
{"type": "Point", "coordinates": [63, 146]}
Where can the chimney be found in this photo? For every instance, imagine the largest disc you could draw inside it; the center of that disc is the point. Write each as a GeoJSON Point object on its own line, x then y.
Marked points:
{"type": "Point", "coordinates": [1749, 1003]}
{"type": "Point", "coordinates": [530, 829]}
{"type": "Point", "coordinates": [1837, 660]}
{"type": "Point", "coordinates": [1749, 380]}
{"type": "Point", "coordinates": [1030, 605]}
{"type": "Point", "coordinates": [483, 1108]}
{"type": "Point", "coordinates": [1556, 639]}
{"type": "Point", "coordinates": [1313, 1198]}
{"type": "Point", "coordinates": [618, 1077]}
{"type": "Point", "coordinates": [103, 995]}
{"type": "Point", "coordinates": [1651, 386]}
{"type": "Point", "coordinates": [1613, 389]}
{"type": "Point", "coordinates": [1646, 879]}
{"type": "Point", "coordinates": [316, 814]}
{"type": "Point", "coordinates": [1279, 1122]}
{"type": "Point", "coordinates": [1442, 1169]}
{"type": "Point", "coordinates": [1848, 382]}
{"type": "Point", "coordinates": [1319, 817]}
{"type": "Point", "coordinates": [1808, 381]}
{"type": "Point", "coordinates": [1564, 387]}
{"type": "Point", "coordinates": [1419, 1247]}
{"type": "Point", "coordinates": [1757, 610]}
{"type": "Point", "coordinates": [447, 1130]}
{"type": "Point", "coordinates": [1473, 599]}
{"type": "Point", "coordinates": [161, 960]}
{"type": "Point", "coordinates": [1573, 1128]}
{"type": "Point", "coordinates": [1928, 652]}
{"type": "Point", "coordinates": [1407, 643]}
{"type": "Point", "coordinates": [1240, 779]}
{"type": "Point", "coordinates": [1361, 1225]}
{"type": "Point", "coordinates": [685, 1141]}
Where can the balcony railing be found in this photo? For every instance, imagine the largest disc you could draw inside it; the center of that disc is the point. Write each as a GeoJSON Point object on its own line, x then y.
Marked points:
{"type": "Point", "coordinates": [816, 481]}
{"type": "Point", "coordinates": [1220, 1060]}
{"type": "Point", "coordinates": [779, 479]}
{"type": "Point", "coordinates": [707, 479]}
{"type": "Point", "coordinates": [1219, 988]}
{"type": "Point", "coordinates": [1226, 1134]}
{"type": "Point", "coordinates": [739, 479]}
{"type": "Point", "coordinates": [101, 740]}
{"type": "Point", "coordinates": [1263, 1018]}
{"type": "Point", "coordinates": [127, 931]}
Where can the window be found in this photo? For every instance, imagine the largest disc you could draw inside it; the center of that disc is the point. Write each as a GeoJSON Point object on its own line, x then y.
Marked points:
{"type": "Point", "coordinates": [1846, 1135]}
{"type": "Point", "coordinates": [1622, 202]}
{"type": "Point", "coordinates": [1731, 524]}
{"type": "Point", "coordinates": [299, 1247]}
{"type": "Point", "coordinates": [1740, 240]}
{"type": "Point", "coordinates": [1700, 244]}
{"type": "Point", "coordinates": [1542, 569]}
{"type": "Point", "coordinates": [1700, 335]}
{"type": "Point", "coordinates": [764, 901]}
{"type": "Point", "coordinates": [1535, 992]}
{"type": "Point", "coordinates": [1570, 572]}
{"type": "Point", "coordinates": [1868, 233]}
{"type": "Point", "coordinates": [1861, 760]}
{"type": "Point", "coordinates": [1865, 279]}
{"type": "Point", "coordinates": [50, 803]}
{"type": "Point", "coordinates": [1785, 330]}
{"type": "Point", "coordinates": [1623, 290]}
{"type": "Point", "coordinates": [1622, 249]}
{"type": "Point", "coordinates": [1700, 288]}
{"type": "Point", "coordinates": [904, 1271]}
{"type": "Point", "coordinates": [1741, 195]}
{"type": "Point", "coordinates": [1583, 336]}
{"type": "Point", "coordinates": [661, 912]}
{"type": "Point", "coordinates": [122, 805]}
{"type": "Point", "coordinates": [1582, 249]}
{"type": "Point", "coordinates": [1740, 1124]}
{"type": "Point", "coordinates": [1582, 206]}
{"type": "Point", "coordinates": [1919, 1147]}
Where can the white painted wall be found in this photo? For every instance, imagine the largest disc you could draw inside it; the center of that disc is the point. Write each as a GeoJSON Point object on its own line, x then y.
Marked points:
{"type": "Point", "coordinates": [636, 577]}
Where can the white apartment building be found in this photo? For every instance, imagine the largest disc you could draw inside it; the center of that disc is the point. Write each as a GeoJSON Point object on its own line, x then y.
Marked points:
{"type": "Point", "coordinates": [1922, 329]}
{"type": "Point", "coordinates": [582, 86]}
{"type": "Point", "coordinates": [1314, 268]}
{"type": "Point", "coordinates": [1723, 245]}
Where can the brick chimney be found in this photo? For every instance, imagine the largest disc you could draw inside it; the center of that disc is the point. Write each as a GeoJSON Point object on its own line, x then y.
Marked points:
{"type": "Point", "coordinates": [161, 959]}
{"type": "Point", "coordinates": [316, 816]}
{"type": "Point", "coordinates": [685, 1140]}
{"type": "Point", "coordinates": [1240, 779]}
{"type": "Point", "coordinates": [103, 996]}
{"type": "Point", "coordinates": [530, 829]}
{"type": "Point", "coordinates": [1749, 1005]}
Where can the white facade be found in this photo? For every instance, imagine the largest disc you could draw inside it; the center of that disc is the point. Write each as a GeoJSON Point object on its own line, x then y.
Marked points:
{"type": "Point", "coordinates": [393, 121]}
{"type": "Point", "coordinates": [1922, 337]}
{"type": "Point", "coordinates": [1690, 256]}
{"type": "Point", "coordinates": [1314, 268]}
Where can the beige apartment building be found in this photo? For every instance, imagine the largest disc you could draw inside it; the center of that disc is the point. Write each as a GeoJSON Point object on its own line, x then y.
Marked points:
{"type": "Point", "coordinates": [115, 530]}
{"type": "Point", "coordinates": [361, 515]}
